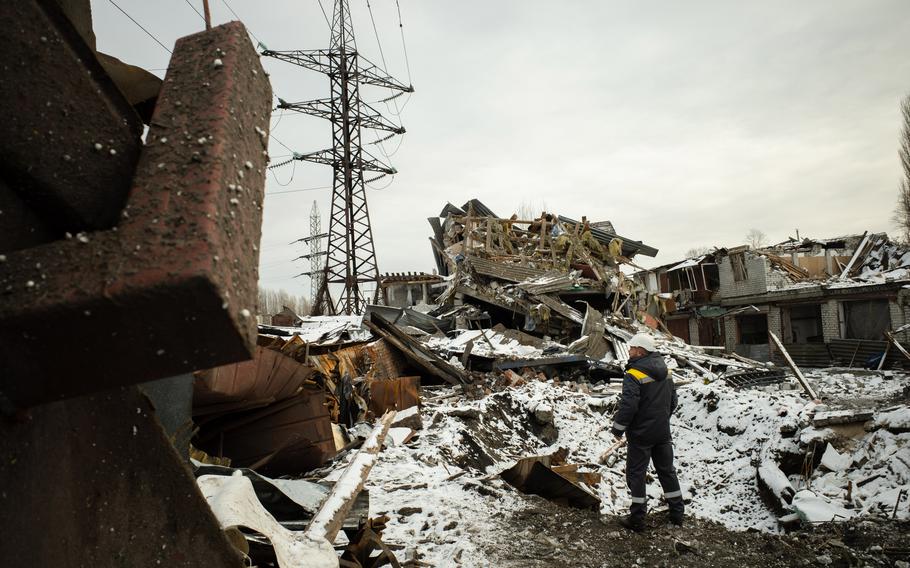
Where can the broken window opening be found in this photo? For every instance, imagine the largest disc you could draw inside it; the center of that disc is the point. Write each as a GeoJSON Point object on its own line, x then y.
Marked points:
{"type": "Point", "coordinates": [712, 277]}
{"type": "Point", "coordinates": [693, 282]}
{"type": "Point", "coordinates": [805, 324]}
{"type": "Point", "coordinates": [866, 319]}
{"type": "Point", "coordinates": [753, 329]}
{"type": "Point", "coordinates": [738, 261]}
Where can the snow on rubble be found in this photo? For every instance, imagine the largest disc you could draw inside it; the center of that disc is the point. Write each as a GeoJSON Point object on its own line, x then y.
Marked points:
{"type": "Point", "coordinates": [443, 492]}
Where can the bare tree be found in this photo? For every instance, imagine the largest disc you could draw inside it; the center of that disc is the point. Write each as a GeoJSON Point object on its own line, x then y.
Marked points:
{"type": "Point", "coordinates": [529, 210]}
{"type": "Point", "coordinates": [273, 301]}
{"type": "Point", "coordinates": [902, 212]}
{"type": "Point", "coordinates": [697, 251]}
{"type": "Point", "coordinates": [756, 238]}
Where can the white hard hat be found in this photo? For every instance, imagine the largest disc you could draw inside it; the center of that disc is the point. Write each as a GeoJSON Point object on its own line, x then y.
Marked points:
{"type": "Point", "coordinates": [644, 341]}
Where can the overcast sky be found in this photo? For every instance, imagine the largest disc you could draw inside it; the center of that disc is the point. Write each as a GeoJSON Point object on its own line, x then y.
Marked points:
{"type": "Point", "coordinates": [684, 123]}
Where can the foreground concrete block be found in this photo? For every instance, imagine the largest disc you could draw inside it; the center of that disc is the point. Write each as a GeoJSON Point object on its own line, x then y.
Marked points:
{"type": "Point", "coordinates": [94, 481]}
{"type": "Point", "coordinates": [172, 288]}
{"type": "Point", "coordinates": [69, 140]}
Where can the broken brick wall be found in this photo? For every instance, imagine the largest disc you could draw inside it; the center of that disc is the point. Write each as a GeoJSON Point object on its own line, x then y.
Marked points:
{"type": "Point", "coordinates": [830, 320]}
{"type": "Point", "coordinates": [755, 282]}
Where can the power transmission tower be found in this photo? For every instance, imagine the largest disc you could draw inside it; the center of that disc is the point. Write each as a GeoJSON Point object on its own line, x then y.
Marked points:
{"type": "Point", "coordinates": [315, 253]}
{"type": "Point", "coordinates": [351, 256]}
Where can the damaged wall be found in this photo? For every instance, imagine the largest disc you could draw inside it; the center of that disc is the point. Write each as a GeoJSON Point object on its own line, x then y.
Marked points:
{"type": "Point", "coordinates": [760, 278]}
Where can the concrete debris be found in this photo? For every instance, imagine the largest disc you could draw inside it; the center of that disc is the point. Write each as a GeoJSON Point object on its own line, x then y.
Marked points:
{"type": "Point", "coordinates": [493, 386]}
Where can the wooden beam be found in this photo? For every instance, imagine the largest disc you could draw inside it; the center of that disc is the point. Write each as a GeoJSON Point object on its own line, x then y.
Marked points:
{"type": "Point", "coordinates": [896, 343]}
{"type": "Point", "coordinates": [332, 512]}
{"type": "Point", "coordinates": [799, 374]}
{"type": "Point", "coordinates": [856, 254]}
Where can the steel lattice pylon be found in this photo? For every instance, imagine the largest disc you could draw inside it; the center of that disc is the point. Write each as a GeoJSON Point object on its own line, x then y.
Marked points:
{"type": "Point", "coordinates": [350, 254]}
{"type": "Point", "coordinates": [315, 254]}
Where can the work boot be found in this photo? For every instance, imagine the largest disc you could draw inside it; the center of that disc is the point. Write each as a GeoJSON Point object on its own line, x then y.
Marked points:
{"type": "Point", "coordinates": [676, 519]}
{"type": "Point", "coordinates": [632, 523]}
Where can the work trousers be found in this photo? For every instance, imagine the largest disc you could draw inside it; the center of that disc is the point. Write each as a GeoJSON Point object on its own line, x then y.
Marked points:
{"type": "Point", "coordinates": [637, 458]}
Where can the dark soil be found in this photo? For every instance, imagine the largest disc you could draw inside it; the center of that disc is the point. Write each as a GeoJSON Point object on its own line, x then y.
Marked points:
{"type": "Point", "coordinates": [546, 534]}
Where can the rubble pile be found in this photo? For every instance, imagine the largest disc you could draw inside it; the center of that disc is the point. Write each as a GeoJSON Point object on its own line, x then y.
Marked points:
{"type": "Point", "coordinates": [451, 475]}
{"type": "Point", "coordinates": [415, 434]}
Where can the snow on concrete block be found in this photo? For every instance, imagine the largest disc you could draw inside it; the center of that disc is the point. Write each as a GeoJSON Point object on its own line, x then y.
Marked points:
{"type": "Point", "coordinates": [408, 418]}
{"type": "Point", "coordinates": [813, 508]}
{"type": "Point", "coordinates": [833, 460]}
{"type": "Point", "coordinates": [896, 420]}
{"type": "Point", "coordinates": [774, 481]}
{"type": "Point", "coordinates": [399, 436]}
{"type": "Point", "coordinates": [825, 418]}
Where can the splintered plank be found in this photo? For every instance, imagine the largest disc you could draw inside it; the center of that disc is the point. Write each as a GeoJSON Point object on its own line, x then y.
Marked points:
{"type": "Point", "coordinates": [415, 352]}
{"type": "Point", "coordinates": [796, 371]}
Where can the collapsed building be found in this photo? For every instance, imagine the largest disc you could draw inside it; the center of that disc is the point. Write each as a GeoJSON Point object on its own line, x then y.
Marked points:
{"type": "Point", "coordinates": [828, 300]}
{"type": "Point", "coordinates": [498, 376]}
{"type": "Point", "coordinates": [170, 430]}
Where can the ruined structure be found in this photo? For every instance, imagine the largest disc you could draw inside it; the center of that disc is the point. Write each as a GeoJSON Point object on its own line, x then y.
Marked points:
{"type": "Point", "coordinates": [829, 300]}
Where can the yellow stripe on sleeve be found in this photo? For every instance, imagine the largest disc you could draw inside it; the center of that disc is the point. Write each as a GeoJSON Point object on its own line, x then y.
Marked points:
{"type": "Point", "coordinates": [638, 375]}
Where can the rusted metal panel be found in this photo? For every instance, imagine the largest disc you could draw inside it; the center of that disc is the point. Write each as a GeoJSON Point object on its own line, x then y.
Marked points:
{"type": "Point", "coordinates": [415, 352]}
{"type": "Point", "coordinates": [394, 394]}
{"type": "Point", "coordinates": [173, 289]}
{"type": "Point", "coordinates": [385, 362]}
{"type": "Point", "coordinates": [69, 139]}
{"type": "Point", "coordinates": [99, 474]}
{"type": "Point", "coordinates": [286, 438]}
{"type": "Point", "coordinates": [270, 375]}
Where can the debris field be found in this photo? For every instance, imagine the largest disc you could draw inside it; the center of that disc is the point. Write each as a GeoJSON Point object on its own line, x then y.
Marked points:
{"type": "Point", "coordinates": [474, 430]}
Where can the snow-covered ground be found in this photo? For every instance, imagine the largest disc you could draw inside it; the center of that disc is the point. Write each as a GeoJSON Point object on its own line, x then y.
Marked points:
{"type": "Point", "coordinates": [444, 497]}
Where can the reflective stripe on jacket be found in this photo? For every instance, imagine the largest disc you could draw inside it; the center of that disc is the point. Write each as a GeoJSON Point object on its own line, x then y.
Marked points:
{"type": "Point", "coordinates": [648, 400]}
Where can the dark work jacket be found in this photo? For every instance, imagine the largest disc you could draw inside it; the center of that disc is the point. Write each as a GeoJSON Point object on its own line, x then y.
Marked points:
{"type": "Point", "coordinates": [648, 400]}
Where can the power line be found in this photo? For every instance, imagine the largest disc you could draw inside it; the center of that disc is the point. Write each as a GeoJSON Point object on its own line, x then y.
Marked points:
{"type": "Point", "coordinates": [140, 26]}
{"type": "Point", "coordinates": [298, 190]}
{"type": "Point", "coordinates": [241, 20]}
{"type": "Point", "coordinates": [286, 147]}
{"type": "Point", "coordinates": [398, 110]}
{"type": "Point", "coordinates": [404, 46]}
{"type": "Point", "coordinates": [385, 65]}
{"type": "Point", "coordinates": [293, 171]}
{"type": "Point", "coordinates": [386, 186]}
{"type": "Point", "coordinates": [324, 15]}
{"type": "Point", "coordinates": [190, 4]}
{"type": "Point", "coordinates": [280, 116]}
{"type": "Point", "coordinates": [351, 259]}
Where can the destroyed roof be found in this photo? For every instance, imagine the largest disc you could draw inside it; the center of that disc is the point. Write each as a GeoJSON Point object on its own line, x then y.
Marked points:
{"type": "Point", "coordinates": [679, 264]}
{"type": "Point", "coordinates": [475, 204]}
{"type": "Point", "coordinates": [629, 246]}
{"type": "Point", "coordinates": [322, 330]}
{"type": "Point", "coordinates": [688, 263]}
{"type": "Point", "coordinates": [873, 259]}
{"type": "Point", "coordinates": [794, 245]}
{"type": "Point", "coordinates": [285, 310]}
{"type": "Point", "coordinates": [391, 277]}
{"type": "Point", "coordinates": [602, 231]}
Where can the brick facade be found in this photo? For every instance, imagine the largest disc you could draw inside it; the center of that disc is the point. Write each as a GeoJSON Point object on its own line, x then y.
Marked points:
{"type": "Point", "coordinates": [755, 282]}
{"type": "Point", "coordinates": [693, 331]}
{"type": "Point", "coordinates": [730, 333]}
{"type": "Point", "coordinates": [831, 320]}
{"type": "Point", "coordinates": [774, 322]}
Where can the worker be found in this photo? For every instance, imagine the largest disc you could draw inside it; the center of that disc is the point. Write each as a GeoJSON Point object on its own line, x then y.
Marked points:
{"type": "Point", "coordinates": [648, 400]}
